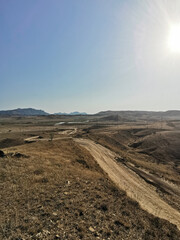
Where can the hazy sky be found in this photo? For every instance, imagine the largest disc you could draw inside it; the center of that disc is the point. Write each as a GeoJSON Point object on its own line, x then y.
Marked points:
{"type": "Point", "coordinates": [89, 55]}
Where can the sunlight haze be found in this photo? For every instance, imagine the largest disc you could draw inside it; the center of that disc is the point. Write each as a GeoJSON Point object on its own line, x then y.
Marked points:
{"type": "Point", "coordinates": [174, 38]}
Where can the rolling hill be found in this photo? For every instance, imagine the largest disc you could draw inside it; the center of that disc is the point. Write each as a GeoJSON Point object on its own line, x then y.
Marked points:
{"type": "Point", "coordinates": [23, 112]}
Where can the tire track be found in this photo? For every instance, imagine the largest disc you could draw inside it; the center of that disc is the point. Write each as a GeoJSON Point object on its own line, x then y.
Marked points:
{"type": "Point", "coordinates": [129, 181]}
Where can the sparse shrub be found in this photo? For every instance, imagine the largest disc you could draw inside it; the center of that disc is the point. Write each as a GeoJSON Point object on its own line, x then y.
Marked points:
{"type": "Point", "coordinates": [42, 180]}
{"type": "Point", "coordinates": [51, 137]}
{"type": "Point", "coordinates": [125, 213]}
{"type": "Point", "coordinates": [83, 162]}
{"type": "Point", "coordinates": [108, 234]}
{"type": "Point", "coordinates": [115, 191]}
{"type": "Point", "coordinates": [149, 235]}
{"type": "Point", "coordinates": [117, 223]}
{"type": "Point", "coordinates": [155, 222]}
{"type": "Point", "coordinates": [2, 153]}
{"type": "Point", "coordinates": [133, 203]}
{"type": "Point", "coordinates": [38, 171]}
{"type": "Point", "coordinates": [104, 207]}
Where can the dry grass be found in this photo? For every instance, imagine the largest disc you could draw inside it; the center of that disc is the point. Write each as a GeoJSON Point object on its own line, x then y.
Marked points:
{"type": "Point", "coordinates": [57, 191]}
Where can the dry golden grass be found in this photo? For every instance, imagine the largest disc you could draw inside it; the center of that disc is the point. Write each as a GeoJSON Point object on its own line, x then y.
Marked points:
{"type": "Point", "coordinates": [56, 190]}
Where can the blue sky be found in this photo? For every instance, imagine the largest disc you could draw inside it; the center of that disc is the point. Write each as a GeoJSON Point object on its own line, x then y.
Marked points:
{"type": "Point", "coordinates": [93, 55]}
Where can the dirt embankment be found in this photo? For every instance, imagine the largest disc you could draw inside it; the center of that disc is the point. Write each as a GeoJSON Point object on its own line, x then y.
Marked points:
{"type": "Point", "coordinates": [129, 181]}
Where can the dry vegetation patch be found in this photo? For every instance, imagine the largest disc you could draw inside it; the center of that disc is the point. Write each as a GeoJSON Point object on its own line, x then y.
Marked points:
{"type": "Point", "coordinates": [59, 192]}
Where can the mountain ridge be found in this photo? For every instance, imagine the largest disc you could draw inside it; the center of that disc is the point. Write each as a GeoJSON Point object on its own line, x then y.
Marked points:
{"type": "Point", "coordinates": [124, 114]}
{"type": "Point", "coordinates": [143, 115]}
{"type": "Point", "coordinates": [23, 112]}
{"type": "Point", "coordinates": [71, 113]}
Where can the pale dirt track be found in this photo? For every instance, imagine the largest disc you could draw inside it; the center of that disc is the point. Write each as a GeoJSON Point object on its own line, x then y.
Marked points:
{"type": "Point", "coordinates": [65, 132]}
{"type": "Point", "coordinates": [129, 181]}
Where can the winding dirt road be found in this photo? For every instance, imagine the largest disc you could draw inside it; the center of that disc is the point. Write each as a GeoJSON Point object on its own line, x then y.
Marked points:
{"type": "Point", "coordinates": [129, 181]}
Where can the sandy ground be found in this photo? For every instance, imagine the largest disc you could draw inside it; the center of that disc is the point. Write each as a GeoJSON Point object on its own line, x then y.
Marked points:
{"type": "Point", "coordinates": [128, 180]}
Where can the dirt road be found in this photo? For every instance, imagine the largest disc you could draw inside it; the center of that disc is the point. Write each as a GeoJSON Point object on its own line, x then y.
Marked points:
{"type": "Point", "coordinates": [158, 182]}
{"type": "Point", "coordinates": [134, 185]}
{"type": "Point", "coordinates": [65, 132]}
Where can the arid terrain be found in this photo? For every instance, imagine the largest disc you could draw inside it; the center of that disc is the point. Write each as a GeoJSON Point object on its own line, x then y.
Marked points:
{"type": "Point", "coordinates": [89, 177]}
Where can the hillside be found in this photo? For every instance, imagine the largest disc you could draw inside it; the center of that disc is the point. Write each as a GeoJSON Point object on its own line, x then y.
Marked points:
{"type": "Point", "coordinates": [141, 115]}
{"type": "Point", "coordinates": [56, 190]}
{"type": "Point", "coordinates": [52, 185]}
{"type": "Point", "coordinates": [23, 112]}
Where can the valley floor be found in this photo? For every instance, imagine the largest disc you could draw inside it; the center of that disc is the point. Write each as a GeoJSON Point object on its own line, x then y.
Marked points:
{"type": "Point", "coordinates": [55, 186]}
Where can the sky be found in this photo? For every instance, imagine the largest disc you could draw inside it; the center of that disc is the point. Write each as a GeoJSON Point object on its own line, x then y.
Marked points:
{"type": "Point", "coordinates": [89, 55]}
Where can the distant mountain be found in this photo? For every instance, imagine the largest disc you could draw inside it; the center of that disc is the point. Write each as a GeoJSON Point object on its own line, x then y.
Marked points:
{"type": "Point", "coordinates": [23, 112]}
{"type": "Point", "coordinates": [72, 113]}
{"type": "Point", "coordinates": [78, 113]}
{"type": "Point", "coordinates": [172, 113]}
{"type": "Point", "coordinates": [139, 115]}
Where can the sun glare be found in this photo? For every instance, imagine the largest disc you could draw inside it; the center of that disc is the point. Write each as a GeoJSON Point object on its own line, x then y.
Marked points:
{"type": "Point", "coordinates": [174, 38]}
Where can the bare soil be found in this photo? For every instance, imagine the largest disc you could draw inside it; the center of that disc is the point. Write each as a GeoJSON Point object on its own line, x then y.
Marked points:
{"type": "Point", "coordinates": [134, 186]}
{"type": "Point", "coordinates": [55, 189]}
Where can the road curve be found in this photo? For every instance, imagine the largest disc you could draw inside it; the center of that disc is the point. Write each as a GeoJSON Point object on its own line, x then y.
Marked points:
{"type": "Point", "coordinates": [129, 181]}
